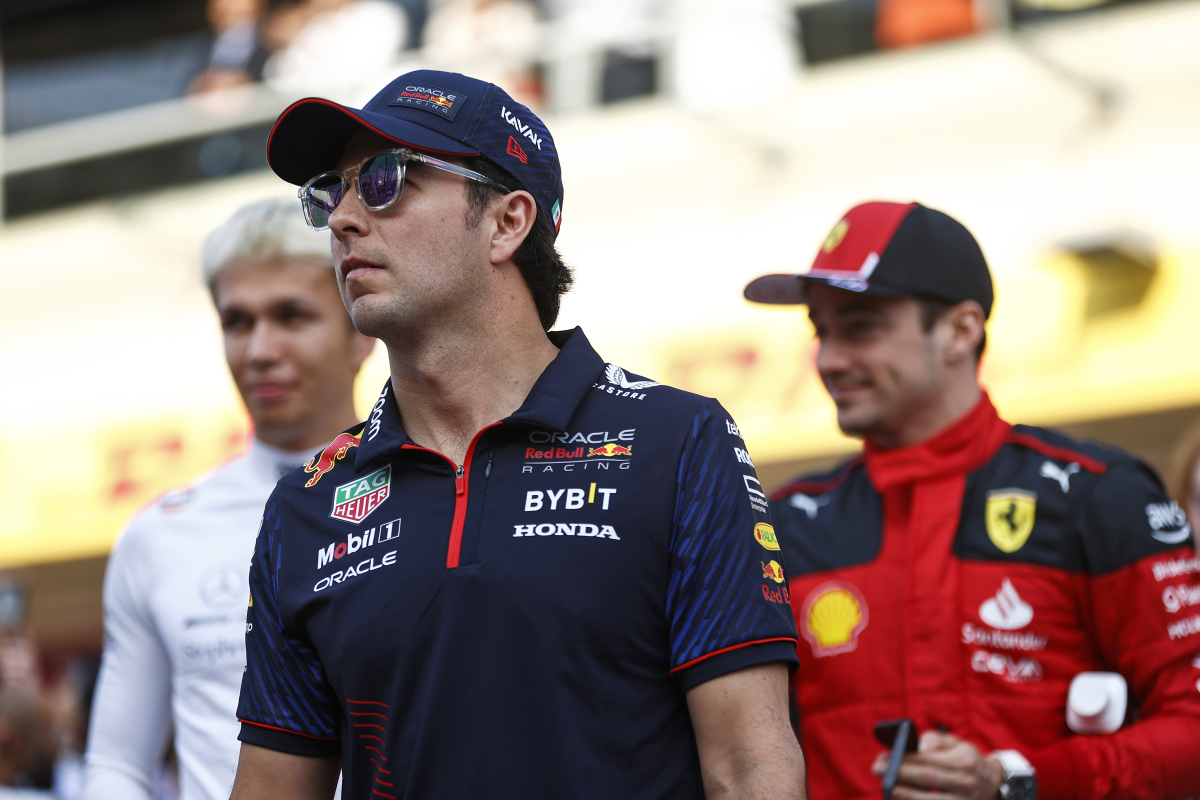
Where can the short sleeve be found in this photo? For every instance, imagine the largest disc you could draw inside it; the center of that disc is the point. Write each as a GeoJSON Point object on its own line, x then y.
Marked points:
{"type": "Point", "coordinates": [727, 599]}
{"type": "Point", "coordinates": [286, 702]}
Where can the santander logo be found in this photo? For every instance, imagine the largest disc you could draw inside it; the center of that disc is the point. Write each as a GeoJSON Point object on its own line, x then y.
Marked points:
{"type": "Point", "coordinates": [1006, 611]}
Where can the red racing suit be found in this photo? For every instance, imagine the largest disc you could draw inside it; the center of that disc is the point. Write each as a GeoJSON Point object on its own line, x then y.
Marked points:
{"type": "Point", "coordinates": [965, 581]}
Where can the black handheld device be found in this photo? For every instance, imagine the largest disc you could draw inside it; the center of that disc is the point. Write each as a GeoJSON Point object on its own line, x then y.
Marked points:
{"type": "Point", "coordinates": [901, 736]}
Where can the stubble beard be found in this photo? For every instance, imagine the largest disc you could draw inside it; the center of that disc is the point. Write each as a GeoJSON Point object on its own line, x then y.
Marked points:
{"type": "Point", "coordinates": [868, 418]}
{"type": "Point", "coordinates": [373, 316]}
{"type": "Point", "coordinates": [864, 424]}
{"type": "Point", "coordinates": [412, 314]}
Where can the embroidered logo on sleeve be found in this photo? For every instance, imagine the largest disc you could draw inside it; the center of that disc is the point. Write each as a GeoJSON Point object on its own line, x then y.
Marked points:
{"type": "Point", "coordinates": [773, 570]}
{"type": "Point", "coordinates": [764, 534]}
{"type": "Point", "coordinates": [1168, 522]}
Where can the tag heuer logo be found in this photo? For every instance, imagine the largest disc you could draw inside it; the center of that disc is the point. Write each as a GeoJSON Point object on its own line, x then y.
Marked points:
{"type": "Point", "coordinates": [353, 501]}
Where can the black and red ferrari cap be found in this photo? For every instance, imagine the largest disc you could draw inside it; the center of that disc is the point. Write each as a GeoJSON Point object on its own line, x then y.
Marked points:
{"type": "Point", "coordinates": [440, 113]}
{"type": "Point", "coordinates": [891, 249]}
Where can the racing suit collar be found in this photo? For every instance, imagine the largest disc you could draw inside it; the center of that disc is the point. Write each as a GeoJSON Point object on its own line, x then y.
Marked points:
{"type": "Point", "coordinates": [963, 447]}
{"type": "Point", "coordinates": [550, 404]}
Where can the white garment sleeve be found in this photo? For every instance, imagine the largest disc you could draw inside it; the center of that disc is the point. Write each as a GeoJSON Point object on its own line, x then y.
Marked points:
{"type": "Point", "coordinates": [131, 712]}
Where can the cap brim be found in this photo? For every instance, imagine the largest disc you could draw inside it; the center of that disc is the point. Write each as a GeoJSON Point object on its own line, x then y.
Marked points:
{"type": "Point", "coordinates": [311, 134]}
{"type": "Point", "coordinates": [792, 289]}
{"type": "Point", "coordinates": [777, 289]}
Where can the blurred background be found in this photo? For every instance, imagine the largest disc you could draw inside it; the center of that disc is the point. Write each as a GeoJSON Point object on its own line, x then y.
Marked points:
{"type": "Point", "coordinates": [703, 142]}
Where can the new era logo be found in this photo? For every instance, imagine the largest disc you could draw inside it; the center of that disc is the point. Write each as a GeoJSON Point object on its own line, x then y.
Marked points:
{"type": "Point", "coordinates": [514, 149]}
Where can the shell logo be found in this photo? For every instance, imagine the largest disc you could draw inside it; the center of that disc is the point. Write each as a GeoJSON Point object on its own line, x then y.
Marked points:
{"type": "Point", "coordinates": [831, 618]}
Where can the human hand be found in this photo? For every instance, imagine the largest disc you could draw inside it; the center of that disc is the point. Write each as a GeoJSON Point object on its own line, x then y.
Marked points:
{"type": "Point", "coordinates": [952, 766]}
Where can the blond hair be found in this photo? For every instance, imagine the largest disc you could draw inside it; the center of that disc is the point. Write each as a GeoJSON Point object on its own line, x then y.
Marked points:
{"type": "Point", "coordinates": [264, 229]}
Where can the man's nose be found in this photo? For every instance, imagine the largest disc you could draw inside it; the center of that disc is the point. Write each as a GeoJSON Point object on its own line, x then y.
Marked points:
{"type": "Point", "coordinates": [350, 217]}
{"type": "Point", "coordinates": [263, 347]}
{"type": "Point", "coordinates": [831, 359]}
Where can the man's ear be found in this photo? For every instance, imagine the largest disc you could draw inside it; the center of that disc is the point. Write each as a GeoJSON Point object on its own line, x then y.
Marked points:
{"type": "Point", "coordinates": [513, 217]}
{"type": "Point", "coordinates": [965, 323]}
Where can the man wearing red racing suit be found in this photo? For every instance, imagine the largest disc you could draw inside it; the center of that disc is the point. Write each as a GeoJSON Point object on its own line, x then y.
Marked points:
{"type": "Point", "coordinates": [962, 571]}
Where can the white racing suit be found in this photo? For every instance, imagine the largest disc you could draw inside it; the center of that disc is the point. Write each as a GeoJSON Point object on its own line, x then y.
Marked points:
{"type": "Point", "coordinates": [175, 595]}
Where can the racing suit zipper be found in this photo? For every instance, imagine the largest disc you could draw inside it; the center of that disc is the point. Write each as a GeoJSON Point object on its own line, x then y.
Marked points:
{"type": "Point", "coordinates": [462, 478]}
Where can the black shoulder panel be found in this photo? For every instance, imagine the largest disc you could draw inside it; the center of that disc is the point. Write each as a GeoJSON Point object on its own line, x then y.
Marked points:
{"type": "Point", "coordinates": [1091, 456]}
{"type": "Point", "coordinates": [1129, 517]}
{"type": "Point", "coordinates": [828, 521]}
{"type": "Point", "coordinates": [1047, 499]}
{"type": "Point", "coordinates": [820, 482]}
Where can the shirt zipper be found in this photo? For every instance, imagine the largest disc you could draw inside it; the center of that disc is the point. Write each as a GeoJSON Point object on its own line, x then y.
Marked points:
{"type": "Point", "coordinates": [462, 478]}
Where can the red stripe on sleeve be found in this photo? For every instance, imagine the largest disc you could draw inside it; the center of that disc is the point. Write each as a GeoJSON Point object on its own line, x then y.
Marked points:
{"type": "Point", "coordinates": [285, 730]}
{"type": "Point", "coordinates": [731, 648]}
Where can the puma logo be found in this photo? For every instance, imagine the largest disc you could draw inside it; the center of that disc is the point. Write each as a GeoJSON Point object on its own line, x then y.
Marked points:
{"type": "Point", "coordinates": [1062, 475]}
{"type": "Point", "coordinates": [808, 504]}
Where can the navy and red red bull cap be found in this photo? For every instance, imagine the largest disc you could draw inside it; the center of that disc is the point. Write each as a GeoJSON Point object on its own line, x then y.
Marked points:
{"type": "Point", "coordinates": [441, 113]}
{"type": "Point", "coordinates": [891, 249]}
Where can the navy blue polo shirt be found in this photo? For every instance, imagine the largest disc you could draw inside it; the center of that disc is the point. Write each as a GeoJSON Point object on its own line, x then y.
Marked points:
{"type": "Point", "coordinates": [526, 624]}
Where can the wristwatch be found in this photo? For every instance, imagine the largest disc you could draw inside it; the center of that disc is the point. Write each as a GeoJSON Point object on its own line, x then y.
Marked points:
{"type": "Point", "coordinates": [1020, 781]}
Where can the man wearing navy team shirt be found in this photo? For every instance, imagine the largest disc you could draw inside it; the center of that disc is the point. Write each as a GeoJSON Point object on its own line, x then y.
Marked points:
{"type": "Point", "coordinates": [529, 574]}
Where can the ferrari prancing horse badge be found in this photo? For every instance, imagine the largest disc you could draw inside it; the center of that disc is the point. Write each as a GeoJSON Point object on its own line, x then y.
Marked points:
{"type": "Point", "coordinates": [1009, 517]}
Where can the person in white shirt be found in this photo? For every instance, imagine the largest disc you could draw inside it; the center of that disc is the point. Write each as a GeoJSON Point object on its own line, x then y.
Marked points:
{"type": "Point", "coordinates": [175, 590]}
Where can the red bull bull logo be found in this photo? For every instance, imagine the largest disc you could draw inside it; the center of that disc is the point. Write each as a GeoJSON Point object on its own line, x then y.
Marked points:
{"type": "Point", "coordinates": [773, 570]}
{"type": "Point", "coordinates": [611, 449]}
{"type": "Point", "coordinates": [334, 452]}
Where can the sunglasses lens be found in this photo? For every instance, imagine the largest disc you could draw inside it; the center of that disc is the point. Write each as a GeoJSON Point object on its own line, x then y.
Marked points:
{"type": "Point", "coordinates": [379, 181]}
{"type": "Point", "coordinates": [321, 198]}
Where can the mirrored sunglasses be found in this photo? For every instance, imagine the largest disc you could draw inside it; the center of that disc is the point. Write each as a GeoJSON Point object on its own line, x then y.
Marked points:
{"type": "Point", "coordinates": [378, 181]}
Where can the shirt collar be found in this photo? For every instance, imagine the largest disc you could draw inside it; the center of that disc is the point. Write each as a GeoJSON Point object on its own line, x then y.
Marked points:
{"type": "Point", "coordinates": [551, 402]}
{"type": "Point", "coordinates": [272, 462]}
